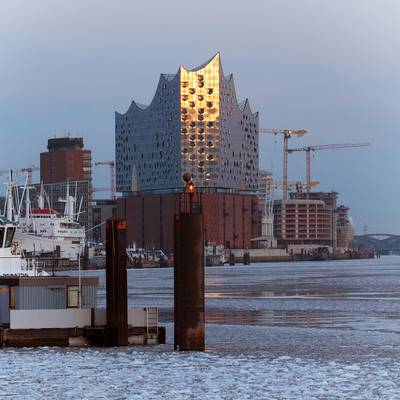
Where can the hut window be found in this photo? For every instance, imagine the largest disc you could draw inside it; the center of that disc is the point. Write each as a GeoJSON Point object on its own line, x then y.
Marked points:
{"type": "Point", "coordinates": [12, 297]}
{"type": "Point", "coordinates": [72, 296]}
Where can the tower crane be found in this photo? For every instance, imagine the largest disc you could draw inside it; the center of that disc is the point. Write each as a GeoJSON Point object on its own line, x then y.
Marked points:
{"type": "Point", "coordinates": [287, 134]}
{"type": "Point", "coordinates": [309, 149]}
{"type": "Point", "coordinates": [29, 170]}
{"type": "Point", "coordinates": [110, 164]}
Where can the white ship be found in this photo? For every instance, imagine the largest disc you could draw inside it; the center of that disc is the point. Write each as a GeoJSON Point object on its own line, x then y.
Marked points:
{"type": "Point", "coordinates": [13, 263]}
{"type": "Point", "coordinates": [43, 230]}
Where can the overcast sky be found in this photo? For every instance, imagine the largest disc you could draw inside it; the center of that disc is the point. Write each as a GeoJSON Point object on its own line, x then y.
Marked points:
{"type": "Point", "coordinates": [331, 66]}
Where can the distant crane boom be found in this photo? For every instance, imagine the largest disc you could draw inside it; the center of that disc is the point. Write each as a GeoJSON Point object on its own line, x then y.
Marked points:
{"type": "Point", "coordinates": [309, 149]}
{"type": "Point", "coordinates": [29, 170]}
{"type": "Point", "coordinates": [287, 133]}
{"type": "Point", "coordinates": [111, 165]}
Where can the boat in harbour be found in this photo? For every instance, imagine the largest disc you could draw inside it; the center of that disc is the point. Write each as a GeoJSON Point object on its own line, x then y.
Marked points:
{"type": "Point", "coordinates": [42, 230]}
{"type": "Point", "coordinates": [12, 262]}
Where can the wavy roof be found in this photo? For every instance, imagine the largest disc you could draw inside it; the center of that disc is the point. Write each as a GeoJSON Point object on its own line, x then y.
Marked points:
{"type": "Point", "coordinates": [170, 77]}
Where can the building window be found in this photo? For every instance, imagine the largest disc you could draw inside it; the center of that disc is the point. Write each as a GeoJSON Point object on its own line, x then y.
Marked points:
{"type": "Point", "coordinates": [12, 297]}
{"type": "Point", "coordinates": [72, 296]}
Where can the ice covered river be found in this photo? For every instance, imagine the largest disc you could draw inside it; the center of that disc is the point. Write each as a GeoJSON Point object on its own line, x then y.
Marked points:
{"type": "Point", "coordinates": [323, 330]}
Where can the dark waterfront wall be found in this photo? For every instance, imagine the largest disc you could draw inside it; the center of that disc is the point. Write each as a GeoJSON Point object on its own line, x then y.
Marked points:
{"type": "Point", "coordinates": [230, 219]}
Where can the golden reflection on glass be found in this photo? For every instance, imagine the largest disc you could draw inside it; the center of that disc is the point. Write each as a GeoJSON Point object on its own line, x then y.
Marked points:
{"type": "Point", "coordinates": [200, 108]}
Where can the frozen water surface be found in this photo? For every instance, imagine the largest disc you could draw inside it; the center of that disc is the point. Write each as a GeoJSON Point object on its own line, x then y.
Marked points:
{"type": "Point", "coordinates": [322, 330]}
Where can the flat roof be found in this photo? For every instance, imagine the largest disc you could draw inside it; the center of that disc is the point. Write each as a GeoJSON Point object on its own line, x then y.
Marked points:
{"type": "Point", "coordinates": [48, 280]}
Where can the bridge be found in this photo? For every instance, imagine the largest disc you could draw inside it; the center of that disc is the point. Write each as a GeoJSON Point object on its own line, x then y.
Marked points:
{"type": "Point", "coordinates": [382, 243]}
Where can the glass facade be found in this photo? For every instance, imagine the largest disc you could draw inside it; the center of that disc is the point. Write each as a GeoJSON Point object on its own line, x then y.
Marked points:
{"type": "Point", "coordinates": [194, 124]}
{"type": "Point", "coordinates": [200, 114]}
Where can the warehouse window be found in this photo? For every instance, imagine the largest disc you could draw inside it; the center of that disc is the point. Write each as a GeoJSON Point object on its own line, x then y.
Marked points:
{"type": "Point", "coordinates": [72, 296]}
{"type": "Point", "coordinates": [12, 297]}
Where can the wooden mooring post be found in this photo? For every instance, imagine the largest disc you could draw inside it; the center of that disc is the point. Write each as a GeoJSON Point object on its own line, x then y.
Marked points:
{"type": "Point", "coordinates": [189, 316]}
{"type": "Point", "coordinates": [116, 283]}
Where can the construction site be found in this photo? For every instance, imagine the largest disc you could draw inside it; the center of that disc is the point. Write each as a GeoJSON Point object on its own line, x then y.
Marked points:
{"type": "Point", "coordinates": [248, 213]}
{"type": "Point", "coordinates": [307, 224]}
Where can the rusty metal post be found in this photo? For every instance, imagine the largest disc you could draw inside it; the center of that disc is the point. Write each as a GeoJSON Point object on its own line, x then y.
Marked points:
{"type": "Point", "coordinates": [116, 283]}
{"type": "Point", "coordinates": [189, 319]}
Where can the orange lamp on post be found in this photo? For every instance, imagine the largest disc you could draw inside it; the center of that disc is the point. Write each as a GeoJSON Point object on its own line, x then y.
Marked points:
{"type": "Point", "coordinates": [191, 190]}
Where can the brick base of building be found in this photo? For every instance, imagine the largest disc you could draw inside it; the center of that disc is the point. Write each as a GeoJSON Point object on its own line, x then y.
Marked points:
{"type": "Point", "coordinates": [231, 220]}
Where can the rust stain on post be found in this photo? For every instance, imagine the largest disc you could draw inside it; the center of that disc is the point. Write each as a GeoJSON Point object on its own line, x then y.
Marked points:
{"type": "Point", "coordinates": [189, 327]}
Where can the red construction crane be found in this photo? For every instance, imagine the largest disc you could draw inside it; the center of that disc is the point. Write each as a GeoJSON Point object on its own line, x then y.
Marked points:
{"type": "Point", "coordinates": [111, 164]}
{"type": "Point", "coordinates": [287, 133]}
{"type": "Point", "coordinates": [309, 149]}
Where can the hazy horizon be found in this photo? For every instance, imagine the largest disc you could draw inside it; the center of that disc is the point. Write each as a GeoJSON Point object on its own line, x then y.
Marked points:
{"type": "Point", "coordinates": [330, 67]}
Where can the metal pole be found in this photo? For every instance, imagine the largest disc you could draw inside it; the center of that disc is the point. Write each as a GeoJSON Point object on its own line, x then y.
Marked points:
{"type": "Point", "coordinates": [308, 169]}
{"type": "Point", "coordinates": [79, 280]}
{"type": "Point", "coordinates": [285, 165]}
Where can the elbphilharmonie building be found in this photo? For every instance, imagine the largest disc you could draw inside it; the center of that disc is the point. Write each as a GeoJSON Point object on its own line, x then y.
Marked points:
{"type": "Point", "coordinates": [193, 124]}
